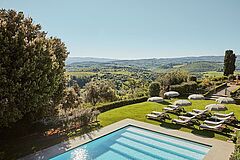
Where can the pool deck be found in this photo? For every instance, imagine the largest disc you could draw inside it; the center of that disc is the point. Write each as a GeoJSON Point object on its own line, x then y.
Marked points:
{"type": "Point", "coordinates": [220, 150]}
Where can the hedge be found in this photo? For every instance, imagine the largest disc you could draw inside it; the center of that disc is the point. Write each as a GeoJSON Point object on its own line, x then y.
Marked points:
{"type": "Point", "coordinates": [185, 87]}
{"type": "Point", "coordinates": [117, 104]}
{"type": "Point", "coordinates": [216, 89]}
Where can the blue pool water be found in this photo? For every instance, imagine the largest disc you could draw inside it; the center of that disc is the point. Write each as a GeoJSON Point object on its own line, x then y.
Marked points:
{"type": "Point", "coordinates": [138, 144]}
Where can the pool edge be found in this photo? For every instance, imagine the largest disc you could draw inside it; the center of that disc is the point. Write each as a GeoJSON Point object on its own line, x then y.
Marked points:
{"type": "Point", "coordinates": [220, 150]}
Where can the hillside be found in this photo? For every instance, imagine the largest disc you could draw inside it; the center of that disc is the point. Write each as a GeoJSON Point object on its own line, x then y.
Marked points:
{"type": "Point", "coordinates": [71, 60]}
{"type": "Point", "coordinates": [202, 66]}
{"type": "Point", "coordinates": [192, 64]}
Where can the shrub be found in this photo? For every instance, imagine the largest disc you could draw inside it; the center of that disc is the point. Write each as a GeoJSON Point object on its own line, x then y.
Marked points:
{"type": "Point", "coordinates": [231, 77]}
{"type": "Point", "coordinates": [154, 89]}
{"type": "Point", "coordinates": [220, 78]}
{"type": "Point", "coordinates": [185, 87]}
{"type": "Point", "coordinates": [173, 78]}
{"type": "Point", "coordinates": [192, 78]}
{"type": "Point", "coordinates": [236, 154]}
{"type": "Point", "coordinates": [117, 104]}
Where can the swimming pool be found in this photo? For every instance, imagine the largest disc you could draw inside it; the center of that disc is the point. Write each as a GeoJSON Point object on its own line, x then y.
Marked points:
{"type": "Point", "coordinates": [139, 144]}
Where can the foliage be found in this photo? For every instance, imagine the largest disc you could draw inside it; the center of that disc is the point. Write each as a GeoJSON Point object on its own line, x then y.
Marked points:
{"type": "Point", "coordinates": [71, 99]}
{"type": "Point", "coordinates": [206, 82]}
{"type": "Point", "coordinates": [121, 103]}
{"type": "Point", "coordinates": [185, 87]}
{"type": "Point", "coordinates": [231, 77]}
{"type": "Point", "coordinates": [236, 154]}
{"type": "Point", "coordinates": [192, 78]}
{"type": "Point", "coordinates": [229, 62]}
{"type": "Point", "coordinates": [173, 77]}
{"type": "Point", "coordinates": [219, 78]}
{"type": "Point", "coordinates": [99, 91]}
{"type": "Point", "coordinates": [31, 69]}
{"type": "Point", "coordinates": [154, 89]}
{"type": "Point", "coordinates": [77, 117]}
{"type": "Point", "coordinates": [202, 66]}
{"type": "Point", "coordinates": [128, 82]}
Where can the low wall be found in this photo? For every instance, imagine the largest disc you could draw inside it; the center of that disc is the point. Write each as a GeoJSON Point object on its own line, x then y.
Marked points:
{"type": "Point", "coordinates": [216, 89]}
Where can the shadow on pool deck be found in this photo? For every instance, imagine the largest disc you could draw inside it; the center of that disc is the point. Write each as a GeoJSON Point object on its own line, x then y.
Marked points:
{"type": "Point", "coordinates": [16, 148]}
{"type": "Point", "coordinates": [196, 131]}
{"type": "Point", "coordinates": [170, 125]}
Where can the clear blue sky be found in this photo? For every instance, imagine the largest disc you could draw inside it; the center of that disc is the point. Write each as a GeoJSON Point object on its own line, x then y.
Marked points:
{"type": "Point", "coordinates": [128, 29]}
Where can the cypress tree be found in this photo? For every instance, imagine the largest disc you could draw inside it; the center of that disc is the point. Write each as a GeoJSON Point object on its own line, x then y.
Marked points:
{"type": "Point", "coordinates": [229, 62]}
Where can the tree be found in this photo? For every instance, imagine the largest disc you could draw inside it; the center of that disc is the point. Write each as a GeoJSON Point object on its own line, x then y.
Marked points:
{"type": "Point", "coordinates": [31, 69]}
{"type": "Point", "coordinates": [71, 99]}
{"type": "Point", "coordinates": [99, 91]}
{"type": "Point", "coordinates": [92, 93]}
{"type": "Point", "coordinates": [173, 77]}
{"type": "Point", "coordinates": [154, 89]}
{"type": "Point", "coordinates": [229, 63]}
{"type": "Point", "coordinates": [107, 91]}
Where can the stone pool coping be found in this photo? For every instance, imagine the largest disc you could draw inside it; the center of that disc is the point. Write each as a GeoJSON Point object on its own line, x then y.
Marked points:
{"type": "Point", "coordinates": [220, 150]}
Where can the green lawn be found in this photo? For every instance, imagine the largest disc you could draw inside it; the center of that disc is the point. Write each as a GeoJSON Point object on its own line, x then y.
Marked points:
{"type": "Point", "coordinates": [138, 112]}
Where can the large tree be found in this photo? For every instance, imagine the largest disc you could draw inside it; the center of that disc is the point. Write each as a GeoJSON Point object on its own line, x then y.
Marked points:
{"type": "Point", "coordinates": [229, 62]}
{"type": "Point", "coordinates": [100, 91]}
{"type": "Point", "coordinates": [31, 69]}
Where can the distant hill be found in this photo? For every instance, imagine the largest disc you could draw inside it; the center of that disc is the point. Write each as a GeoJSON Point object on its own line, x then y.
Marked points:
{"type": "Point", "coordinates": [202, 66]}
{"type": "Point", "coordinates": [192, 64]}
{"type": "Point", "coordinates": [87, 59]}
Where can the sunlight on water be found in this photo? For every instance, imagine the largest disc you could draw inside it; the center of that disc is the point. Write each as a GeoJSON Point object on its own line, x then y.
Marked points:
{"type": "Point", "coordinates": [80, 153]}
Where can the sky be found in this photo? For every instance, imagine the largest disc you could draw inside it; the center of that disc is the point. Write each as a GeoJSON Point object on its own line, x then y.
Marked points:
{"type": "Point", "coordinates": [134, 29]}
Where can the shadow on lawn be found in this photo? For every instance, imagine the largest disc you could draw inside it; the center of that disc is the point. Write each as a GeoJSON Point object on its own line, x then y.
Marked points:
{"type": "Point", "coordinates": [165, 103]}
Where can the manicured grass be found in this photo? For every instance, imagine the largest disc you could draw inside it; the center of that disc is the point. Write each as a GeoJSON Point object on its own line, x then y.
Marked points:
{"type": "Point", "coordinates": [138, 112]}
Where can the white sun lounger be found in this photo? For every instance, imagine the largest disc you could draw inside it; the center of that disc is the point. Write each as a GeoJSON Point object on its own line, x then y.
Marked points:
{"type": "Point", "coordinates": [172, 108]}
{"type": "Point", "coordinates": [197, 112]}
{"type": "Point", "coordinates": [183, 120]}
{"type": "Point", "coordinates": [218, 127]}
{"type": "Point", "coordinates": [222, 118]}
{"type": "Point", "coordinates": [224, 115]}
{"type": "Point", "coordinates": [157, 115]}
{"type": "Point", "coordinates": [213, 122]}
